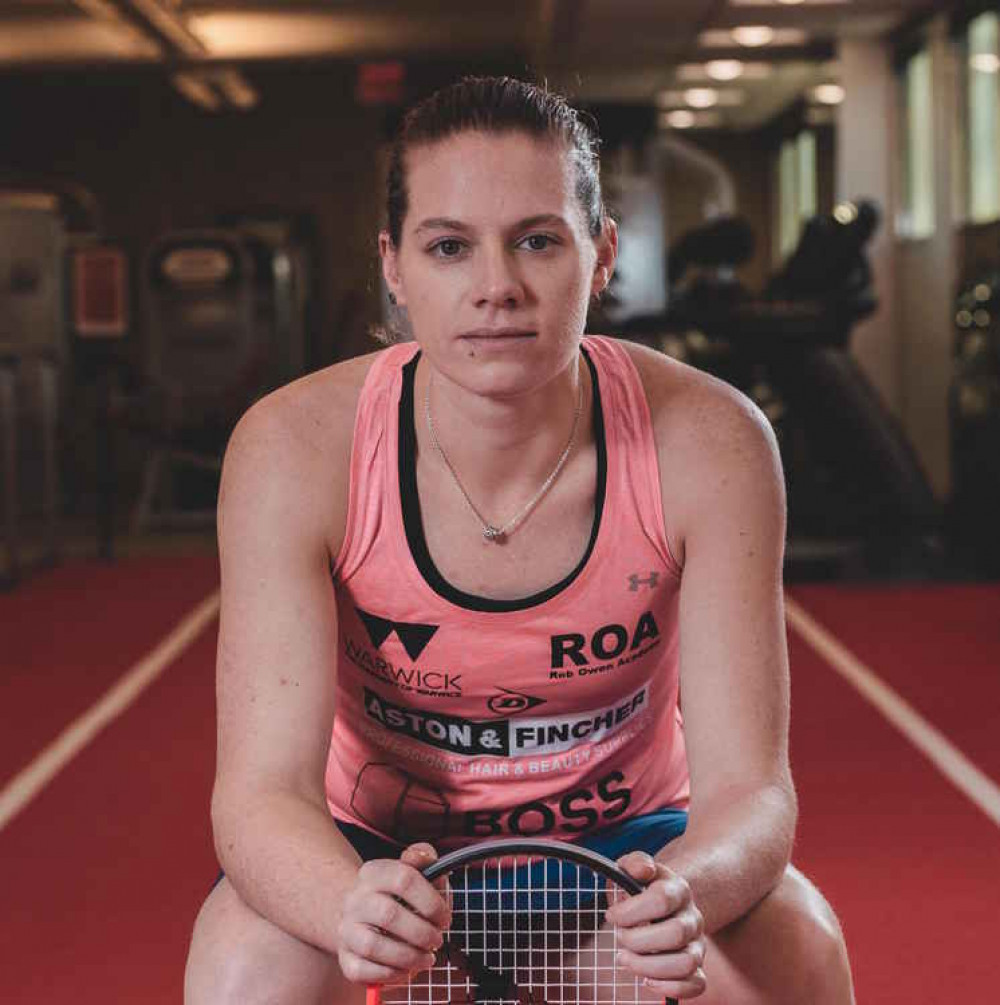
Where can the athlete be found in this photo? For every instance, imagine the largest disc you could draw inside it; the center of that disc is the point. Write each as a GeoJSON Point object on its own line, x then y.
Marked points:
{"type": "Point", "coordinates": [503, 580]}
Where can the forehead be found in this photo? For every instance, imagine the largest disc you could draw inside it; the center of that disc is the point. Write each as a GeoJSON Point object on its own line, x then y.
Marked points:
{"type": "Point", "coordinates": [477, 176]}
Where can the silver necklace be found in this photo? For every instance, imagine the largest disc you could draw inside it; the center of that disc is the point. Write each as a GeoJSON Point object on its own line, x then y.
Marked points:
{"type": "Point", "coordinates": [490, 531]}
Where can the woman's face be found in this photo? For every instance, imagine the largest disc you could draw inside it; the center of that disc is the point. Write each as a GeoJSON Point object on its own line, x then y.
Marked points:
{"type": "Point", "coordinates": [496, 266]}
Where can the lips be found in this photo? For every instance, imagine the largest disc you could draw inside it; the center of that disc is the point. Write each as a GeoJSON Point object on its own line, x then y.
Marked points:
{"type": "Point", "coordinates": [497, 334]}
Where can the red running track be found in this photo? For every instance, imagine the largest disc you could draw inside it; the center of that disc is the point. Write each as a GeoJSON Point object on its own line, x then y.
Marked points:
{"type": "Point", "coordinates": [101, 876]}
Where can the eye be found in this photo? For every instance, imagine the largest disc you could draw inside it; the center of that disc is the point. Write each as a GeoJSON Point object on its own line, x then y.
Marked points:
{"type": "Point", "coordinates": [539, 242]}
{"type": "Point", "coordinates": [450, 247]}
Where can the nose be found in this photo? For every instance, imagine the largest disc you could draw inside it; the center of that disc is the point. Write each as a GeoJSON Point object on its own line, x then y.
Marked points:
{"type": "Point", "coordinates": [499, 283]}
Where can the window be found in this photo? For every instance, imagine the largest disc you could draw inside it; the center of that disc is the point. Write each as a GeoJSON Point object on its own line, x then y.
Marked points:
{"type": "Point", "coordinates": [916, 217]}
{"type": "Point", "coordinates": [983, 47]}
{"type": "Point", "coordinates": [796, 190]}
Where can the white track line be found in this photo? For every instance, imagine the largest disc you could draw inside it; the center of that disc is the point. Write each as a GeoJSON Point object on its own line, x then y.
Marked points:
{"type": "Point", "coordinates": [24, 786]}
{"type": "Point", "coordinates": [945, 756]}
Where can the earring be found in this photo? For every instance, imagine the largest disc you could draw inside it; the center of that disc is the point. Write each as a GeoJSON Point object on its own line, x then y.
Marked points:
{"type": "Point", "coordinates": [392, 299]}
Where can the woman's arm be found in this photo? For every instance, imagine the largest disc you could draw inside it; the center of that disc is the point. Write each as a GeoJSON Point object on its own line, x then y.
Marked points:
{"type": "Point", "coordinates": [275, 678]}
{"type": "Point", "coordinates": [724, 496]}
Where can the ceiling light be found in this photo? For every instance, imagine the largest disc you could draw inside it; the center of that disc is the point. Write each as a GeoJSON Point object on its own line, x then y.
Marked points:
{"type": "Point", "coordinates": [681, 119]}
{"type": "Point", "coordinates": [829, 94]}
{"type": "Point", "coordinates": [790, 3]}
{"type": "Point", "coordinates": [985, 62]}
{"type": "Point", "coordinates": [753, 36]}
{"type": "Point", "coordinates": [845, 212]}
{"type": "Point", "coordinates": [724, 69]}
{"type": "Point", "coordinates": [701, 97]}
{"type": "Point", "coordinates": [197, 90]}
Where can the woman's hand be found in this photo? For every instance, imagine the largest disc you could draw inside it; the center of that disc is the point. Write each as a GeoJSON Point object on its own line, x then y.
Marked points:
{"type": "Point", "coordinates": [392, 919]}
{"type": "Point", "coordinates": [661, 933]}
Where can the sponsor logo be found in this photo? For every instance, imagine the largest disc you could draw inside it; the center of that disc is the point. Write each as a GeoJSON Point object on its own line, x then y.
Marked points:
{"type": "Point", "coordinates": [579, 810]}
{"type": "Point", "coordinates": [501, 737]}
{"type": "Point", "coordinates": [413, 636]}
{"type": "Point", "coordinates": [427, 683]}
{"type": "Point", "coordinates": [507, 702]}
{"type": "Point", "coordinates": [608, 642]}
{"type": "Point", "coordinates": [634, 581]}
{"type": "Point", "coordinates": [394, 802]}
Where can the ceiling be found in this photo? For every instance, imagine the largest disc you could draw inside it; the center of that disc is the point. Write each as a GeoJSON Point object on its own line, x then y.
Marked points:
{"type": "Point", "coordinates": [596, 50]}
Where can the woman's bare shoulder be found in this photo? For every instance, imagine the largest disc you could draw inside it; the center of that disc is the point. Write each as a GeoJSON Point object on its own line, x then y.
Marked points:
{"type": "Point", "coordinates": [688, 404]}
{"type": "Point", "coordinates": [295, 444]}
{"type": "Point", "coordinates": [705, 428]}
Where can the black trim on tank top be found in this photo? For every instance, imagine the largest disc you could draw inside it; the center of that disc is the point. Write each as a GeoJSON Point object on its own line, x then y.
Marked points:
{"type": "Point", "coordinates": [413, 521]}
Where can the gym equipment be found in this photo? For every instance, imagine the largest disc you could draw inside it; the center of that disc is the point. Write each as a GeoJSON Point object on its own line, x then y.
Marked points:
{"type": "Point", "coordinates": [974, 422]}
{"type": "Point", "coordinates": [207, 360]}
{"type": "Point", "coordinates": [855, 485]}
{"type": "Point", "coordinates": [33, 352]}
{"type": "Point", "coordinates": [283, 250]}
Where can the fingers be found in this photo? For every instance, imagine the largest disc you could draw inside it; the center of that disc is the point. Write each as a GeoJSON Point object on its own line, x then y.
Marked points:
{"type": "Point", "coordinates": [392, 920]}
{"type": "Point", "coordinates": [420, 856]}
{"type": "Point", "coordinates": [665, 894]}
{"type": "Point", "coordinates": [406, 883]}
{"type": "Point", "coordinates": [639, 866]}
{"type": "Point", "coordinates": [661, 932]}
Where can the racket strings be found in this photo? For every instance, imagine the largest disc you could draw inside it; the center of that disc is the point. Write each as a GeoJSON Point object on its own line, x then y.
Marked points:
{"type": "Point", "coordinates": [526, 932]}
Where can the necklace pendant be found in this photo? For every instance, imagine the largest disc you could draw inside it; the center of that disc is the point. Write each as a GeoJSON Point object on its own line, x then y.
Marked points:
{"type": "Point", "coordinates": [492, 533]}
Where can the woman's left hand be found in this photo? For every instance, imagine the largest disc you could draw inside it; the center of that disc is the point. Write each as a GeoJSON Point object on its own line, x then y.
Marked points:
{"type": "Point", "coordinates": [661, 933]}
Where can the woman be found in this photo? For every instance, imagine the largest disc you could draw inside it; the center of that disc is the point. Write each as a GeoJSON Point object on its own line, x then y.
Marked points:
{"type": "Point", "coordinates": [536, 541]}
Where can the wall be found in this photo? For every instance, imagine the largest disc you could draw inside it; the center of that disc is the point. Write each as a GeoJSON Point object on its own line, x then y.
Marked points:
{"type": "Point", "coordinates": [926, 279]}
{"type": "Point", "coordinates": [156, 162]}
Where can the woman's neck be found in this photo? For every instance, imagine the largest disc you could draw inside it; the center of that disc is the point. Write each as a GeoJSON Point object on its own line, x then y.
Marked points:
{"type": "Point", "coordinates": [501, 448]}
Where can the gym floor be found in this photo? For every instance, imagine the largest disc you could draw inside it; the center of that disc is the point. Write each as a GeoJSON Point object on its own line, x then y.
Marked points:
{"type": "Point", "coordinates": [107, 755]}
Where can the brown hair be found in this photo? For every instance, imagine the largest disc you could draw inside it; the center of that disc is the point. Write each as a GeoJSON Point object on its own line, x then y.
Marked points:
{"type": "Point", "coordinates": [498, 105]}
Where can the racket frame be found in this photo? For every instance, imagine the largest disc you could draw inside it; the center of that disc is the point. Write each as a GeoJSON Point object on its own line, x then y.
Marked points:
{"type": "Point", "coordinates": [530, 847]}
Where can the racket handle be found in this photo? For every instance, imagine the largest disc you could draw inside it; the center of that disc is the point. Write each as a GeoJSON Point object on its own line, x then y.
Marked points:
{"type": "Point", "coordinates": [373, 995]}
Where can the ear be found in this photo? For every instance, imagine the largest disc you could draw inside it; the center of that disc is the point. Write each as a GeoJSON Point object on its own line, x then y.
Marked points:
{"type": "Point", "coordinates": [607, 255]}
{"type": "Point", "coordinates": [390, 266]}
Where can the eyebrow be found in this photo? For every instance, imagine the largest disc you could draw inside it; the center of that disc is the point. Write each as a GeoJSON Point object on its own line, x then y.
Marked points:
{"type": "Point", "coordinates": [444, 223]}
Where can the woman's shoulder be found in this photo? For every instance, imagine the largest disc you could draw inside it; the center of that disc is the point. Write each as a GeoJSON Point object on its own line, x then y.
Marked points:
{"type": "Point", "coordinates": [688, 404]}
{"type": "Point", "coordinates": [314, 414]}
{"type": "Point", "coordinates": [294, 446]}
{"type": "Point", "coordinates": [706, 430]}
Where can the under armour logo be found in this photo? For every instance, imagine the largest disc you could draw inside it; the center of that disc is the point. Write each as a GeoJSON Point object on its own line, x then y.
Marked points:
{"type": "Point", "coordinates": [634, 581]}
{"type": "Point", "coordinates": [413, 637]}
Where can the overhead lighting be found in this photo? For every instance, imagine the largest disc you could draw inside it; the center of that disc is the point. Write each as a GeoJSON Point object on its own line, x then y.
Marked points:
{"type": "Point", "coordinates": [680, 119]}
{"type": "Point", "coordinates": [197, 90]}
{"type": "Point", "coordinates": [724, 69]}
{"type": "Point", "coordinates": [753, 36]}
{"type": "Point", "coordinates": [790, 3]}
{"type": "Point", "coordinates": [845, 212]}
{"type": "Point", "coordinates": [683, 118]}
{"type": "Point", "coordinates": [701, 97]}
{"type": "Point", "coordinates": [829, 94]}
{"type": "Point", "coordinates": [985, 62]}
{"type": "Point", "coordinates": [238, 91]}
{"type": "Point", "coordinates": [697, 72]}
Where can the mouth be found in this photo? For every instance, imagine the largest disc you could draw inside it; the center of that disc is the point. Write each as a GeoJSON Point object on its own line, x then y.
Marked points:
{"type": "Point", "coordinates": [497, 335]}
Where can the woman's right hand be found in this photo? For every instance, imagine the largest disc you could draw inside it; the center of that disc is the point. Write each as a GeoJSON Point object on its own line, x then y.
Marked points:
{"type": "Point", "coordinates": [392, 919]}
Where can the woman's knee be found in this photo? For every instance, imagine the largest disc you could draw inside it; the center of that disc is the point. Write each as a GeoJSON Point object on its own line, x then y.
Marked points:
{"type": "Point", "coordinates": [788, 950]}
{"type": "Point", "coordinates": [237, 956]}
{"type": "Point", "coordinates": [815, 963]}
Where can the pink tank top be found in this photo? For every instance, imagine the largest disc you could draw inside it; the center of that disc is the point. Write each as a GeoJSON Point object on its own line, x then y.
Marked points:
{"type": "Point", "coordinates": [460, 718]}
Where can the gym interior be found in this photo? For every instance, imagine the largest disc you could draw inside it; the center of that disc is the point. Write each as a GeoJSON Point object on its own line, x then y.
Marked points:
{"type": "Point", "coordinates": [808, 198]}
